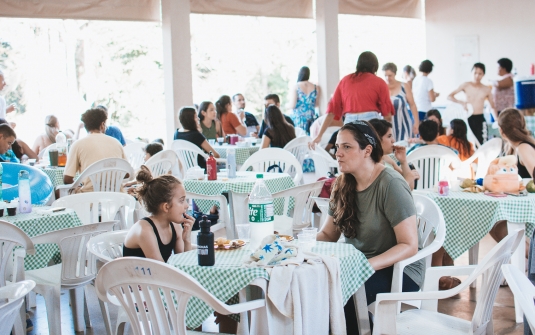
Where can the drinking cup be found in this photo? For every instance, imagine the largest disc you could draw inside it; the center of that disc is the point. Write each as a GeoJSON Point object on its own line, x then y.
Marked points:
{"type": "Point", "coordinates": [211, 141]}
{"type": "Point", "coordinates": [53, 156]}
{"type": "Point", "coordinates": [306, 241]}
{"type": "Point", "coordinates": [220, 140]}
{"type": "Point", "coordinates": [12, 211]}
{"type": "Point", "coordinates": [244, 231]}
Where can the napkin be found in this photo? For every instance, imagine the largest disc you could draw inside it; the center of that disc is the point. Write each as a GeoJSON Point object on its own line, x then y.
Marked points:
{"type": "Point", "coordinates": [274, 251]}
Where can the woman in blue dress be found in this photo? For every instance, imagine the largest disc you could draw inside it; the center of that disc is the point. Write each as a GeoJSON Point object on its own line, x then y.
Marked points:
{"type": "Point", "coordinates": [304, 99]}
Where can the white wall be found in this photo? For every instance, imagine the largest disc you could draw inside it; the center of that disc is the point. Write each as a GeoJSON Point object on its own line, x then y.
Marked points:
{"type": "Point", "coordinates": [504, 29]}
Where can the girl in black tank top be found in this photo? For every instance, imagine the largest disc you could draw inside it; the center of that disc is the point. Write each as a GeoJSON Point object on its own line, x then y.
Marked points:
{"type": "Point", "coordinates": [522, 171]}
{"type": "Point", "coordinates": [165, 198]}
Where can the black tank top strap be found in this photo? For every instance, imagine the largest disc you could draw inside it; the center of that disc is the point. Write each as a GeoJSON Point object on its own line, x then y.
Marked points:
{"type": "Point", "coordinates": [165, 249]}
{"type": "Point", "coordinates": [532, 145]}
{"type": "Point", "coordinates": [522, 170]}
{"type": "Point", "coordinates": [154, 228]}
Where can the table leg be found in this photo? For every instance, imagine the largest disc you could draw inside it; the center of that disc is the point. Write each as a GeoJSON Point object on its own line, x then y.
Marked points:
{"type": "Point", "coordinates": [518, 260]}
{"type": "Point", "coordinates": [361, 308]}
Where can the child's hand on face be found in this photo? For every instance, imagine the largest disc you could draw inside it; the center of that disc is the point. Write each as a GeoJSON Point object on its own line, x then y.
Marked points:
{"type": "Point", "coordinates": [187, 224]}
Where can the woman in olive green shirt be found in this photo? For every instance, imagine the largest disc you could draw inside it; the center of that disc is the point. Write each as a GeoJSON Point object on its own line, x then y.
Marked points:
{"type": "Point", "coordinates": [373, 207]}
{"type": "Point", "coordinates": [210, 125]}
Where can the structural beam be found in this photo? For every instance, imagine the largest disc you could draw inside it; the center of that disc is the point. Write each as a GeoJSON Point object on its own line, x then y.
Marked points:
{"type": "Point", "coordinates": [328, 58]}
{"type": "Point", "coordinates": [176, 61]}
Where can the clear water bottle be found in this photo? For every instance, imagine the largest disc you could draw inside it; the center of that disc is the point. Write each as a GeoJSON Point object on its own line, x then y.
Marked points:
{"type": "Point", "coordinates": [61, 145]}
{"type": "Point", "coordinates": [231, 163]}
{"type": "Point", "coordinates": [25, 194]}
{"type": "Point", "coordinates": [260, 212]}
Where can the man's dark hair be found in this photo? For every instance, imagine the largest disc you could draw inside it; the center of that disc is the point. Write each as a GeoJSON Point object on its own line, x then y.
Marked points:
{"type": "Point", "coordinates": [428, 130]}
{"type": "Point", "coordinates": [7, 131]}
{"type": "Point", "coordinates": [479, 66]}
{"type": "Point", "coordinates": [93, 118]}
{"type": "Point", "coordinates": [506, 64]}
{"type": "Point", "coordinates": [367, 62]}
{"type": "Point", "coordinates": [186, 116]}
{"type": "Point", "coordinates": [235, 96]}
{"type": "Point", "coordinates": [426, 66]}
{"type": "Point", "coordinates": [304, 74]}
{"type": "Point", "coordinates": [153, 148]}
{"type": "Point", "coordinates": [273, 97]}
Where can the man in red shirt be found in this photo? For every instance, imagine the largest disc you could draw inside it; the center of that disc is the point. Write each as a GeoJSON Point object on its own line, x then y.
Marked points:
{"type": "Point", "coordinates": [359, 96]}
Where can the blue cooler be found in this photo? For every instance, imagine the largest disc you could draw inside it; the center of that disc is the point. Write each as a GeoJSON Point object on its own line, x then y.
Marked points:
{"type": "Point", "coordinates": [525, 92]}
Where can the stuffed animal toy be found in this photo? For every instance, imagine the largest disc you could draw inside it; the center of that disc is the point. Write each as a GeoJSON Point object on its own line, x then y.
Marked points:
{"type": "Point", "coordinates": [502, 176]}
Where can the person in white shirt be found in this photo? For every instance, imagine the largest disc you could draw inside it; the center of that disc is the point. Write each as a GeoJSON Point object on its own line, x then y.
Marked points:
{"type": "Point", "coordinates": [423, 90]}
{"type": "Point", "coordinates": [3, 109]}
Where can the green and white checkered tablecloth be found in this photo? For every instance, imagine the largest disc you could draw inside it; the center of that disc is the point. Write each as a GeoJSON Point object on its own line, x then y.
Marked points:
{"type": "Point", "coordinates": [35, 224]}
{"type": "Point", "coordinates": [530, 124]}
{"type": "Point", "coordinates": [55, 174]}
{"type": "Point", "coordinates": [243, 183]}
{"type": "Point", "coordinates": [242, 153]}
{"type": "Point", "coordinates": [227, 277]}
{"type": "Point", "coordinates": [470, 216]}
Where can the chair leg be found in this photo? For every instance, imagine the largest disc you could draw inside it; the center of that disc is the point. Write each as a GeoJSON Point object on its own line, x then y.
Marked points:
{"type": "Point", "coordinates": [473, 256]}
{"type": "Point", "coordinates": [122, 319]}
{"type": "Point", "coordinates": [86, 309]}
{"type": "Point", "coordinates": [53, 308]}
{"type": "Point", "coordinates": [105, 316]}
{"type": "Point", "coordinates": [19, 328]}
{"type": "Point", "coordinates": [77, 305]}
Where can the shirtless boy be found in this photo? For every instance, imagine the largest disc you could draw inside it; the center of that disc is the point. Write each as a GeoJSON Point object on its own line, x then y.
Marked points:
{"type": "Point", "coordinates": [476, 94]}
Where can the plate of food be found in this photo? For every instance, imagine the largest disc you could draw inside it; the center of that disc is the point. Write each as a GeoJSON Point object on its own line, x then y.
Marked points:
{"type": "Point", "coordinates": [287, 238]}
{"type": "Point", "coordinates": [224, 244]}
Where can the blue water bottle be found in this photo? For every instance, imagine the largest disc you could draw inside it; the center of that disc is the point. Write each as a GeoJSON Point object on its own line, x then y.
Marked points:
{"type": "Point", "coordinates": [231, 163]}
{"type": "Point", "coordinates": [25, 194]}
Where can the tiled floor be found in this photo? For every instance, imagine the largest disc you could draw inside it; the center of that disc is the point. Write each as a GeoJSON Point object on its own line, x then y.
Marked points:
{"type": "Point", "coordinates": [460, 306]}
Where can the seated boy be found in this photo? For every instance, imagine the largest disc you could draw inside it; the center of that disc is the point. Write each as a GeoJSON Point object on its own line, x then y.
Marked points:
{"type": "Point", "coordinates": [428, 134]}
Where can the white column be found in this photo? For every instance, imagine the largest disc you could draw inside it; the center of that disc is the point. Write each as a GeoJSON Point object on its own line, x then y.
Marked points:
{"type": "Point", "coordinates": [176, 60]}
{"type": "Point", "coordinates": [328, 59]}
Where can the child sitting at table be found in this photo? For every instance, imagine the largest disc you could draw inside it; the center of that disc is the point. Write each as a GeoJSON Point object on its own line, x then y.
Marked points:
{"type": "Point", "coordinates": [457, 140]}
{"type": "Point", "coordinates": [168, 228]}
{"type": "Point", "coordinates": [150, 150]}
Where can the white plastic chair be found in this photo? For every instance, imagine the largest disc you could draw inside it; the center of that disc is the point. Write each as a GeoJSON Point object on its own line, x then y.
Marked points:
{"type": "Point", "coordinates": [327, 135]}
{"type": "Point", "coordinates": [299, 132]}
{"type": "Point", "coordinates": [323, 161]}
{"type": "Point", "coordinates": [484, 155]}
{"type": "Point", "coordinates": [323, 205]}
{"type": "Point", "coordinates": [224, 216]}
{"type": "Point", "coordinates": [523, 291]}
{"type": "Point", "coordinates": [106, 175]}
{"type": "Point", "coordinates": [12, 270]}
{"type": "Point", "coordinates": [43, 154]}
{"type": "Point", "coordinates": [107, 247]}
{"type": "Point", "coordinates": [162, 290]}
{"type": "Point", "coordinates": [299, 147]}
{"type": "Point", "coordinates": [11, 299]}
{"type": "Point", "coordinates": [76, 271]}
{"type": "Point", "coordinates": [187, 153]}
{"type": "Point", "coordinates": [433, 164]}
{"type": "Point", "coordinates": [162, 163]}
{"type": "Point", "coordinates": [135, 153]}
{"type": "Point", "coordinates": [261, 160]}
{"type": "Point", "coordinates": [427, 320]}
{"type": "Point", "coordinates": [301, 215]}
{"type": "Point", "coordinates": [106, 205]}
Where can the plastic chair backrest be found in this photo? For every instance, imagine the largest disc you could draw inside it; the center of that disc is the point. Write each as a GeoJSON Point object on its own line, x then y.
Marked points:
{"type": "Point", "coordinates": [300, 132]}
{"type": "Point", "coordinates": [323, 161]}
{"type": "Point", "coordinates": [327, 135]}
{"type": "Point", "coordinates": [11, 237]}
{"type": "Point", "coordinates": [107, 246]}
{"type": "Point", "coordinates": [106, 205]}
{"type": "Point", "coordinates": [162, 163]}
{"type": "Point", "coordinates": [14, 295]}
{"type": "Point", "coordinates": [44, 153]}
{"type": "Point", "coordinates": [135, 153]}
{"type": "Point", "coordinates": [523, 291]}
{"type": "Point", "coordinates": [224, 215]}
{"type": "Point", "coordinates": [303, 202]}
{"type": "Point", "coordinates": [485, 155]}
{"type": "Point", "coordinates": [78, 264]}
{"type": "Point", "coordinates": [163, 292]}
{"type": "Point", "coordinates": [299, 147]}
{"type": "Point", "coordinates": [263, 159]}
{"type": "Point", "coordinates": [430, 223]}
{"type": "Point", "coordinates": [107, 175]}
{"type": "Point", "coordinates": [187, 153]}
{"type": "Point", "coordinates": [433, 163]}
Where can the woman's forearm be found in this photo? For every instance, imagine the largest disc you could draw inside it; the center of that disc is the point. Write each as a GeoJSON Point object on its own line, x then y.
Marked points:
{"type": "Point", "coordinates": [393, 255]}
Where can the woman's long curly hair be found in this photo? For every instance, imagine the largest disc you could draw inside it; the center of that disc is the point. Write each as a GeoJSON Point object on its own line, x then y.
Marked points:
{"type": "Point", "coordinates": [344, 194]}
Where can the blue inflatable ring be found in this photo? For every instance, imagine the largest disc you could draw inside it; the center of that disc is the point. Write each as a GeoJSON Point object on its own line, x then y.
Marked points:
{"type": "Point", "coordinates": [40, 184]}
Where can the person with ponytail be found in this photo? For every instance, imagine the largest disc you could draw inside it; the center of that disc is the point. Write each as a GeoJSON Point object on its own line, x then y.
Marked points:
{"type": "Point", "coordinates": [373, 207]}
{"type": "Point", "coordinates": [230, 122]}
{"type": "Point", "coordinates": [457, 140]}
{"type": "Point", "coordinates": [168, 228]}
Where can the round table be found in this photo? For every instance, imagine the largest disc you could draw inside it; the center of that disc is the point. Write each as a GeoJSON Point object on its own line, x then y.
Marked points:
{"type": "Point", "coordinates": [228, 276]}
{"type": "Point", "coordinates": [35, 224]}
{"type": "Point", "coordinates": [242, 153]}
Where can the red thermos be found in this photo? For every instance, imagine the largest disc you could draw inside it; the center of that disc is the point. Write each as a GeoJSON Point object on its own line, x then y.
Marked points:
{"type": "Point", "coordinates": [211, 167]}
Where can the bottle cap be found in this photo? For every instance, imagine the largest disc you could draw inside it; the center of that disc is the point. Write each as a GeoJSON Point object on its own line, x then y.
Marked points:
{"type": "Point", "coordinates": [259, 176]}
{"type": "Point", "coordinates": [205, 223]}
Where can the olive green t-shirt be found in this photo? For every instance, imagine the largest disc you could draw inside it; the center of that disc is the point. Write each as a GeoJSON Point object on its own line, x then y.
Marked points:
{"type": "Point", "coordinates": [383, 205]}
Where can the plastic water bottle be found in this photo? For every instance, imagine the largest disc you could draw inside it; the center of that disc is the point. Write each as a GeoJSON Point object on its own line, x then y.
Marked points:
{"type": "Point", "coordinates": [231, 163]}
{"type": "Point", "coordinates": [1, 172]}
{"type": "Point", "coordinates": [260, 212]}
{"type": "Point", "coordinates": [61, 145]}
{"type": "Point", "coordinates": [211, 167]}
{"type": "Point", "coordinates": [205, 244]}
{"type": "Point", "coordinates": [25, 194]}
